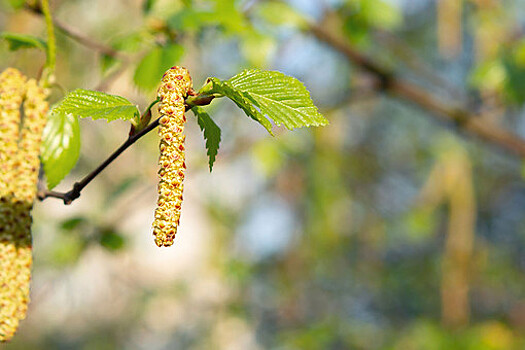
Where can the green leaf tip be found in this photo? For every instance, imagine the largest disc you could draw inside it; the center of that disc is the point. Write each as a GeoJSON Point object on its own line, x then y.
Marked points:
{"type": "Point", "coordinates": [212, 133]}
{"type": "Point", "coordinates": [97, 105]}
{"type": "Point", "coordinates": [60, 146]}
{"type": "Point", "coordinates": [269, 94]}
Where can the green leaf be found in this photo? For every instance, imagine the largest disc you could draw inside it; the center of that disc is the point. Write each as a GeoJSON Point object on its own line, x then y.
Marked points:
{"type": "Point", "coordinates": [97, 105]}
{"type": "Point", "coordinates": [215, 86]}
{"type": "Point", "coordinates": [23, 41]}
{"type": "Point", "coordinates": [151, 68]}
{"type": "Point", "coordinates": [111, 240]}
{"type": "Point", "coordinates": [60, 146]}
{"type": "Point", "coordinates": [282, 98]}
{"type": "Point", "coordinates": [271, 94]}
{"type": "Point", "coordinates": [212, 133]}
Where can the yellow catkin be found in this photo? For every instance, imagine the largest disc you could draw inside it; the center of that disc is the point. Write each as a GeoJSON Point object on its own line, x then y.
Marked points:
{"type": "Point", "coordinates": [12, 90]}
{"type": "Point", "coordinates": [176, 83]}
{"type": "Point", "coordinates": [19, 148]}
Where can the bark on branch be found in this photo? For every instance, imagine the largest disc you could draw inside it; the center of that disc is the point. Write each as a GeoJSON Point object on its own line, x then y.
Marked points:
{"type": "Point", "coordinates": [396, 86]}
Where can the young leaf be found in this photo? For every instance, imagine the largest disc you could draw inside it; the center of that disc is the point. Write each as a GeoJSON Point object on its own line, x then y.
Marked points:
{"type": "Point", "coordinates": [97, 105]}
{"type": "Point", "coordinates": [60, 146]}
{"type": "Point", "coordinates": [282, 98]}
{"type": "Point", "coordinates": [215, 86]}
{"type": "Point", "coordinates": [212, 133]}
{"type": "Point", "coordinates": [23, 41]}
{"type": "Point", "coordinates": [275, 95]}
{"type": "Point", "coordinates": [154, 64]}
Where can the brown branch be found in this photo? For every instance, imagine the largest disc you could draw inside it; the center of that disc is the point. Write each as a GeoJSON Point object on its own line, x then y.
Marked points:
{"type": "Point", "coordinates": [76, 35]}
{"type": "Point", "coordinates": [399, 87]}
{"type": "Point", "coordinates": [74, 193]}
{"type": "Point", "coordinates": [411, 60]}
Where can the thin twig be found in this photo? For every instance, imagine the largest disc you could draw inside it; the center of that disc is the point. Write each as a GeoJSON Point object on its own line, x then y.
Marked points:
{"type": "Point", "coordinates": [76, 35]}
{"type": "Point", "coordinates": [74, 193]}
{"type": "Point", "coordinates": [86, 41]}
{"type": "Point", "coordinates": [448, 111]}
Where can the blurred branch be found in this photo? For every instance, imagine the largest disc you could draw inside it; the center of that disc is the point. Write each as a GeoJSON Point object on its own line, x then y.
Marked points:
{"type": "Point", "coordinates": [76, 35]}
{"type": "Point", "coordinates": [74, 193]}
{"type": "Point", "coordinates": [411, 60]}
{"type": "Point", "coordinates": [399, 87]}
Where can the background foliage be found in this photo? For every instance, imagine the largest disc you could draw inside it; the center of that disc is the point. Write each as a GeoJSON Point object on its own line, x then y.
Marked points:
{"type": "Point", "coordinates": [382, 230]}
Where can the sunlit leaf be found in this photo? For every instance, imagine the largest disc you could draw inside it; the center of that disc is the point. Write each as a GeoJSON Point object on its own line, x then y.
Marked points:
{"type": "Point", "coordinates": [96, 105]}
{"type": "Point", "coordinates": [240, 99]}
{"type": "Point", "coordinates": [271, 94]}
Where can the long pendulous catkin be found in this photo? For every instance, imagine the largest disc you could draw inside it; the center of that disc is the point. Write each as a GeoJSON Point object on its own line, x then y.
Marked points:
{"type": "Point", "coordinates": [19, 149]}
{"type": "Point", "coordinates": [176, 83]}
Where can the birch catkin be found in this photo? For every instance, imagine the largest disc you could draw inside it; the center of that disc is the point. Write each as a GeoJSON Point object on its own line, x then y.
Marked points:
{"type": "Point", "coordinates": [19, 149]}
{"type": "Point", "coordinates": [176, 83]}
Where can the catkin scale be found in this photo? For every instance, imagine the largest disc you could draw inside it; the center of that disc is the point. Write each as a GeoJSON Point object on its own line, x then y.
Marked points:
{"type": "Point", "coordinates": [19, 149]}
{"type": "Point", "coordinates": [176, 83]}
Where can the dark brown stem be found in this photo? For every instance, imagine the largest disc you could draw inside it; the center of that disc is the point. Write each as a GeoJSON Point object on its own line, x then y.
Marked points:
{"type": "Point", "coordinates": [74, 193]}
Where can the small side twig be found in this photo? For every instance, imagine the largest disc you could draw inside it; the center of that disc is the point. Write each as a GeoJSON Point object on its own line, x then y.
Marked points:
{"type": "Point", "coordinates": [69, 196]}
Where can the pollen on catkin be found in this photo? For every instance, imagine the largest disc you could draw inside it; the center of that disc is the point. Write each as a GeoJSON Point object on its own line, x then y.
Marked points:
{"type": "Point", "coordinates": [19, 149]}
{"type": "Point", "coordinates": [176, 83]}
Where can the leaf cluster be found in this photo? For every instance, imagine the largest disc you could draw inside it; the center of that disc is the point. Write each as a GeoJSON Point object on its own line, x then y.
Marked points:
{"type": "Point", "coordinates": [264, 96]}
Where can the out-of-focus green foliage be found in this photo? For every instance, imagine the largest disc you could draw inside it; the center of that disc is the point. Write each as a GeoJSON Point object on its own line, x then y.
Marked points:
{"type": "Point", "coordinates": [155, 63]}
{"type": "Point", "coordinates": [363, 16]}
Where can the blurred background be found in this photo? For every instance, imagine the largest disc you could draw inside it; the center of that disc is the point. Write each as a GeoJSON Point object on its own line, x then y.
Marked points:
{"type": "Point", "coordinates": [387, 229]}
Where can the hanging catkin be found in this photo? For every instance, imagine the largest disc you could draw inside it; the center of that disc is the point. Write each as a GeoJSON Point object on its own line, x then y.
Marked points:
{"type": "Point", "coordinates": [19, 149]}
{"type": "Point", "coordinates": [176, 83]}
